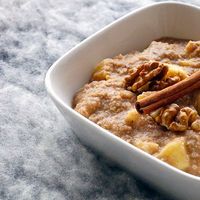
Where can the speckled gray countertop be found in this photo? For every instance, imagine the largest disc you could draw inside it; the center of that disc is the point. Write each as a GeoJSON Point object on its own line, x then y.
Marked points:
{"type": "Point", "coordinates": [40, 158]}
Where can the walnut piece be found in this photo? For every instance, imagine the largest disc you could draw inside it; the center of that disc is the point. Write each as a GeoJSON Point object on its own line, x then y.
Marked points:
{"type": "Point", "coordinates": [153, 76]}
{"type": "Point", "coordinates": [140, 78]}
{"type": "Point", "coordinates": [159, 85]}
{"type": "Point", "coordinates": [177, 119]}
{"type": "Point", "coordinates": [196, 100]}
{"type": "Point", "coordinates": [174, 75]}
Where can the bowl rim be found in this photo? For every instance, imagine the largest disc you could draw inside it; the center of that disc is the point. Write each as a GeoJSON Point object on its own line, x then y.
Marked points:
{"type": "Point", "coordinates": [55, 97]}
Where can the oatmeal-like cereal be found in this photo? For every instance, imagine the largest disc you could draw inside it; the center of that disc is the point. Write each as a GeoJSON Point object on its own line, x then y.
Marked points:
{"type": "Point", "coordinates": [171, 133]}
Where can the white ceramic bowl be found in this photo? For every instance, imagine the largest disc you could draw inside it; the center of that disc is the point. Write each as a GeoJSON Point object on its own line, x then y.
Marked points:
{"type": "Point", "coordinates": [132, 32]}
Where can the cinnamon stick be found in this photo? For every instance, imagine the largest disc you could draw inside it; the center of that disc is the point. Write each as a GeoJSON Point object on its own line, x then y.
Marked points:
{"type": "Point", "coordinates": [169, 94]}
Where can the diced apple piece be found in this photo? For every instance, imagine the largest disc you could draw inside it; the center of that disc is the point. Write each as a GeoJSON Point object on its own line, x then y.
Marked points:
{"type": "Point", "coordinates": [175, 154]}
{"type": "Point", "coordinates": [143, 95]}
{"type": "Point", "coordinates": [100, 75]}
{"type": "Point", "coordinates": [104, 62]}
{"type": "Point", "coordinates": [132, 117]}
{"type": "Point", "coordinates": [149, 147]}
{"type": "Point", "coordinates": [175, 70]}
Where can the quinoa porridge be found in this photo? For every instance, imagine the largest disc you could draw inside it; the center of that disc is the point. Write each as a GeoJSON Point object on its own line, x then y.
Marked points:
{"type": "Point", "coordinates": [171, 132]}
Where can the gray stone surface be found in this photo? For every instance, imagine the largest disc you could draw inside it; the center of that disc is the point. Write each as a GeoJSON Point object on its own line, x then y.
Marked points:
{"type": "Point", "coordinates": [40, 158]}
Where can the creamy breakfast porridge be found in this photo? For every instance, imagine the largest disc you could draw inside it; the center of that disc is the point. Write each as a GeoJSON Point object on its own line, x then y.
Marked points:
{"type": "Point", "coordinates": [169, 127]}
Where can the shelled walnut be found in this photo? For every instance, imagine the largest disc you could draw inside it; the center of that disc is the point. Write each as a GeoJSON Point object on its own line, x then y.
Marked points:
{"type": "Point", "coordinates": [159, 85]}
{"type": "Point", "coordinates": [177, 119]}
{"type": "Point", "coordinates": [153, 76]}
{"type": "Point", "coordinates": [140, 78]}
{"type": "Point", "coordinates": [196, 100]}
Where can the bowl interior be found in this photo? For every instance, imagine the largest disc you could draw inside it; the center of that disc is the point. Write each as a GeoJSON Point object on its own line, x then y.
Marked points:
{"type": "Point", "coordinates": [132, 32]}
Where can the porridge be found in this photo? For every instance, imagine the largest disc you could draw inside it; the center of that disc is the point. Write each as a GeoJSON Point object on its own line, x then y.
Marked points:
{"type": "Point", "coordinates": [150, 99]}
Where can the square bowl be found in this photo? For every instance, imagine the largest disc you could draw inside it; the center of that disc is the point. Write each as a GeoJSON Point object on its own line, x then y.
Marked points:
{"type": "Point", "coordinates": [132, 32]}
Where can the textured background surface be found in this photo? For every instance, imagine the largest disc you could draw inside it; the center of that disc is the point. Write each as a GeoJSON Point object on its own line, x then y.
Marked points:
{"type": "Point", "coordinates": [40, 158]}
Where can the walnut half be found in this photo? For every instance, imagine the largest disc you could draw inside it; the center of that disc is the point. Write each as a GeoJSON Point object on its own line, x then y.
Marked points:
{"type": "Point", "coordinates": [177, 119]}
{"type": "Point", "coordinates": [141, 77]}
{"type": "Point", "coordinates": [150, 76]}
